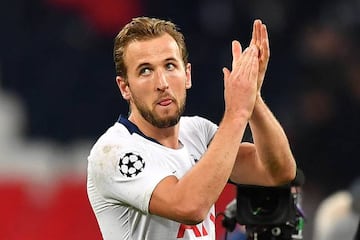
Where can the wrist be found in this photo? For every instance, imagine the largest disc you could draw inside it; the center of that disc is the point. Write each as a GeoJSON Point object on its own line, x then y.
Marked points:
{"type": "Point", "coordinates": [259, 100]}
{"type": "Point", "coordinates": [236, 120]}
{"type": "Point", "coordinates": [258, 107]}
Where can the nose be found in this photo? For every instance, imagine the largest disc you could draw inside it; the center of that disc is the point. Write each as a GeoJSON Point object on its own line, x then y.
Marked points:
{"type": "Point", "coordinates": [161, 83]}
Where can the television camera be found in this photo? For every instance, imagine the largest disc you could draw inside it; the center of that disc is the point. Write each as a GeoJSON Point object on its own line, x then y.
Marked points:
{"type": "Point", "coordinates": [271, 213]}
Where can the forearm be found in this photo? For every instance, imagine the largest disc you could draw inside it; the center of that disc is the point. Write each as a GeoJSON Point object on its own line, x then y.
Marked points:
{"type": "Point", "coordinates": [271, 143]}
{"type": "Point", "coordinates": [189, 198]}
{"type": "Point", "coordinates": [212, 172]}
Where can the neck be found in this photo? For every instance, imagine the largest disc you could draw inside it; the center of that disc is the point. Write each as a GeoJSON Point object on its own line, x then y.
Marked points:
{"type": "Point", "coordinates": [168, 137]}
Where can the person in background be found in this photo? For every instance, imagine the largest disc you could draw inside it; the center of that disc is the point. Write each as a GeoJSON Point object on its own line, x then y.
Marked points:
{"type": "Point", "coordinates": [156, 174]}
{"type": "Point", "coordinates": [357, 234]}
{"type": "Point", "coordinates": [338, 215]}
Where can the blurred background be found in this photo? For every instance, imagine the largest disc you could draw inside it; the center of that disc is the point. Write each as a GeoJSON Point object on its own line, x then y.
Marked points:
{"type": "Point", "coordinates": [58, 94]}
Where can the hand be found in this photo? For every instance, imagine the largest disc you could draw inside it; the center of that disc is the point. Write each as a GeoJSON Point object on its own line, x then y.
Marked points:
{"type": "Point", "coordinates": [241, 82]}
{"type": "Point", "coordinates": [261, 41]}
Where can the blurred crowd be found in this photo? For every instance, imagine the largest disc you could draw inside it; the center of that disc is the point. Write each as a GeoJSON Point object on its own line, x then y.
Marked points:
{"type": "Point", "coordinates": [56, 56]}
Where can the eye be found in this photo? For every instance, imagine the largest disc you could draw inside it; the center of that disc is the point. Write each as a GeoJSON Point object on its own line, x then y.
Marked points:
{"type": "Point", "coordinates": [170, 66]}
{"type": "Point", "coordinates": [145, 71]}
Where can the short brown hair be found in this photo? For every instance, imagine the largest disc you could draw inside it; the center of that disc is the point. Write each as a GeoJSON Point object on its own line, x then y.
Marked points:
{"type": "Point", "coordinates": [142, 28]}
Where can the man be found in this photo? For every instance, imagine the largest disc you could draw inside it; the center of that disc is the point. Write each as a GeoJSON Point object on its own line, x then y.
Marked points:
{"type": "Point", "coordinates": [155, 174]}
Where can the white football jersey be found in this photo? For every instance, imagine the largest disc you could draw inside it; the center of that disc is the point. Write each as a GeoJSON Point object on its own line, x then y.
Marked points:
{"type": "Point", "coordinates": [124, 167]}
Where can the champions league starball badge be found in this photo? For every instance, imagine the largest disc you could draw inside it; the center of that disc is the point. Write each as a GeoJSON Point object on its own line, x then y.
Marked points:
{"type": "Point", "coordinates": [131, 164]}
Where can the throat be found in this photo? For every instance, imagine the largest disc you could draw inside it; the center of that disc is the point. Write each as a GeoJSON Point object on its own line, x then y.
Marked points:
{"type": "Point", "coordinates": [171, 143]}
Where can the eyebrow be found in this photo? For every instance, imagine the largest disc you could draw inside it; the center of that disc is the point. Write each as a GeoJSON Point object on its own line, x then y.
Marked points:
{"type": "Point", "coordinates": [171, 59]}
{"type": "Point", "coordinates": [142, 65]}
{"type": "Point", "coordinates": [146, 64]}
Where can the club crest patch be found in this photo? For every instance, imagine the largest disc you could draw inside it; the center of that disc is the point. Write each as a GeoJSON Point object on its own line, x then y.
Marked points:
{"type": "Point", "coordinates": [131, 164]}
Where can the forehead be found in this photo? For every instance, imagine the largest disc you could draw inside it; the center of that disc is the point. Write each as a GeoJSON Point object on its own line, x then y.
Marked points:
{"type": "Point", "coordinates": [152, 50]}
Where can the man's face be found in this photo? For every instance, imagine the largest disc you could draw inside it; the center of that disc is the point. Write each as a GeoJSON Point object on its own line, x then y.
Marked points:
{"type": "Point", "coordinates": [157, 80]}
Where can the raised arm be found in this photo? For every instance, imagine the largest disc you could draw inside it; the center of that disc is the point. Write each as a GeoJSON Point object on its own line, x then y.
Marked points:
{"type": "Point", "coordinates": [189, 199]}
{"type": "Point", "coordinates": [269, 161]}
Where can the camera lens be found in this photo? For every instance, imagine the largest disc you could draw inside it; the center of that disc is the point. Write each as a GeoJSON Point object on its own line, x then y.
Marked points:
{"type": "Point", "coordinates": [264, 204]}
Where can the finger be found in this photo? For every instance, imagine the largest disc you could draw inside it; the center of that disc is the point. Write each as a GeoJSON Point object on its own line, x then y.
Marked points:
{"type": "Point", "coordinates": [253, 35]}
{"type": "Point", "coordinates": [253, 62]}
{"type": "Point", "coordinates": [256, 33]}
{"type": "Point", "coordinates": [265, 49]}
{"type": "Point", "coordinates": [237, 49]}
{"type": "Point", "coordinates": [251, 70]}
{"type": "Point", "coordinates": [236, 52]}
{"type": "Point", "coordinates": [247, 60]}
{"type": "Point", "coordinates": [254, 68]}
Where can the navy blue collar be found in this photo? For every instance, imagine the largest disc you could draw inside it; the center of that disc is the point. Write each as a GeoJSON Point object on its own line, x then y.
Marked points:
{"type": "Point", "coordinates": [132, 128]}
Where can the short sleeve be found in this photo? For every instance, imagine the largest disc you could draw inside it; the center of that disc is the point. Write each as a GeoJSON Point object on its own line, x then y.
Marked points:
{"type": "Point", "coordinates": [124, 173]}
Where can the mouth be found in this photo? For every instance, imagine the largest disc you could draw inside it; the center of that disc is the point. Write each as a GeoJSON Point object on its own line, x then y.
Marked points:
{"type": "Point", "coordinates": [165, 102]}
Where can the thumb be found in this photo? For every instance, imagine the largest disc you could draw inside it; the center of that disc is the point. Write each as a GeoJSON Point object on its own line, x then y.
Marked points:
{"type": "Point", "coordinates": [226, 73]}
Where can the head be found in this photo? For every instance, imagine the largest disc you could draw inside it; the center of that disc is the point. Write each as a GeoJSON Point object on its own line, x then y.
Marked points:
{"type": "Point", "coordinates": [152, 70]}
{"type": "Point", "coordinates": [144, 28]}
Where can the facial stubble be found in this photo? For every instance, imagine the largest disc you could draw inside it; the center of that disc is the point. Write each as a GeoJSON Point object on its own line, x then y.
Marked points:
{"type": "Point", "coordinates": [152, 117]}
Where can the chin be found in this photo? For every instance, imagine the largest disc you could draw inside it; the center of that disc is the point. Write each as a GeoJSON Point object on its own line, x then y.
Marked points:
{"type": "Point", "coordinates": [167, 121]}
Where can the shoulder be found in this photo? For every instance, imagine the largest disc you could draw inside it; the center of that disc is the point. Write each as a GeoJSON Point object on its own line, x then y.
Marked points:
{"type": "Point", "coordinates": [115, 139]}
{"type": "Point", "coordinates": [197, 127]}
{"type": "Point", "coordinates": [114, 134]}
{"type": "Point", "coordinates": [195, 121]}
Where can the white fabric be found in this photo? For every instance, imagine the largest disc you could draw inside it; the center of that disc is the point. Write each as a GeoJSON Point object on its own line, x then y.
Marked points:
{"type": "Point", "coordinates": [120, 202]}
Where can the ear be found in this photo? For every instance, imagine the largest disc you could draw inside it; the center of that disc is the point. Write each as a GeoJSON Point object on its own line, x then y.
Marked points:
{"type": "Point", "coordinates": [188, 83]}
{"type": "Point", "coordinates": [123, 87]}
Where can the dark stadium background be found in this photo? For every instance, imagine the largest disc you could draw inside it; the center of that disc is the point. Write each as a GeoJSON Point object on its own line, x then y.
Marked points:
{"type": "Point", "coordinates": [58, 95]}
